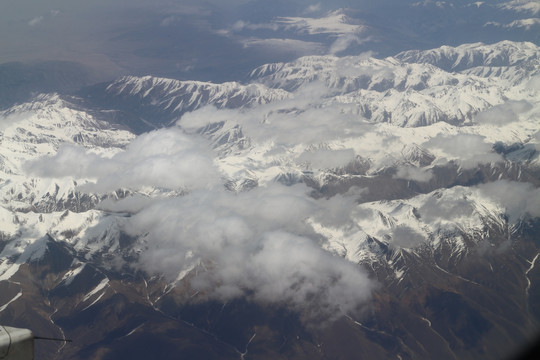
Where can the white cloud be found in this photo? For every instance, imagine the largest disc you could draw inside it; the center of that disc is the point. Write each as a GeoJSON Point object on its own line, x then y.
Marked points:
{"type": "Point", "coordinates": [407, 172]}
{"type": "Point", "coordinates": [335, 22]}
{"type": "Point", "coordinates": [534, 83]}
{"type": "Point", "coordinates": [241, 25]}
{"type": "Point", "coordinates": [526, 6]}
{"type": "Point", "coordinates": [326, 158]}
{"type": "Point", "coordinates": [169, 20]}
{"type": "Point", "coordinates": [344, 41]}
{"type": "Point", "coordinates": [466, 149]}
{"type": "Point", "coordinates": [503, 114]}
{"type": "Point", "coordinates": [451, 206]}
{"type": "Point", "coordinates": [312, 8]}
{"type": "Point", "coordinates": [206, 115]}
{"type": "Point", "coordinates": [285, 46]}
{"type": "Point", "coordinates": [164, 158]}
{"type": "Point", "coordinates": [526, 24]}
{"type": "Point", "coordinates": [254, 244]}
{"type": "Point", "coordinates": [404, 236]}
{"type": "Point", "coordinates": [298, 120]}
{"type": "Point", "coordinates": [130, 204]}
{"type": "Point", "coordinates": [10, 120]}
{"type": "Point", "coordinates": [35, 21]}
{"type": "Point", "coordinates": [460, 205]}
{"type": "Point", "coordinates": [519, 199]}
{"type": "Point", "coordinates": [258, 244]}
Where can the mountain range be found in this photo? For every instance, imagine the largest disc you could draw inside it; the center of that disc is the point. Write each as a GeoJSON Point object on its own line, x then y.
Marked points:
{"type": "Point", "coordinates": [331, 207]}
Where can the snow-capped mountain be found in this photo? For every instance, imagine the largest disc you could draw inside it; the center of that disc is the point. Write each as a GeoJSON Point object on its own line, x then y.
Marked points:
{"type": "Point", "coordinates": [500, 55]}
{"type": "Point", "coordinates": [392, 202]}
{"type": "Point", "coordinates": [159, 102]}
{"type": "Point", "coordinates": [40, 128]}
{"type": "Point", "coordinates": [406, 91]}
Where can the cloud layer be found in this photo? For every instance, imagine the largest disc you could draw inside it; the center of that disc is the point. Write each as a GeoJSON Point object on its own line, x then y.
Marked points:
{"type": "Point", "coordinates": [254, 244]}
{"type": "Point", "coordinates": [165, 158]}
{"type": "Point", "coordinates": [468, 150]}
{"type": "Point", "coordinates": [519, 199]}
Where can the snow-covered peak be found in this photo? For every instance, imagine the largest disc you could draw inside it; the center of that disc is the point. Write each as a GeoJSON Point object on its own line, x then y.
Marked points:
{"type": "Point", "coordinates": [415, 69]}
{"type": "Point", "coordinates": [415, 88]}
{"type": "Point", "coordinates": [176, 97]}
{"type": "Point", "coordinates": [49, 121]}
{"type": "Point", "coordinates": [351, 73]}
{"type": "Point", "coordinates": [504, 53]}
{"type": "Point", "coordinates": [39, 128]}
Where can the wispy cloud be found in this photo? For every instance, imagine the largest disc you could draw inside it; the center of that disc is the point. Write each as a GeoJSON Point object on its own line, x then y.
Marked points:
{"type": "Point", "coordinates": [407, 172]}
{"type": "Point", "coordinates": [335, 22]}
{"type": "Point", "coordinates": [404, 236]}
{"type": "Point", "coordinates": [521, 6]}
{"type": "Point", "coordinates": [503, 114]}
{"type": "Point", "coordinates": [466, 149]}
{"type": "Point", "coordinates": [164, 159]}
{"type": "Point", "coordinates": [344, 41]}
{"type": "Point", "coordinates": [35, 21]}
{"type": "Point", "coordinates": [312, 8]}
{"type": "Point", "coordinates": [519, 199]}
{"type": "Point", "coordinates": [241, 25]}
{"type": "Point", "coordinates": [288, 46]}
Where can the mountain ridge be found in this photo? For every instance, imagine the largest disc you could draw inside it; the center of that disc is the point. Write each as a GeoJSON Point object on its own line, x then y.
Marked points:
{"type": "Point", "coordinates": [283, 223]}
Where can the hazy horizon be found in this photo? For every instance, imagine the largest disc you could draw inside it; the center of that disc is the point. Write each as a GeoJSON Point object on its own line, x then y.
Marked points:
{"type": "Point", "coordinates": [224, 40]}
